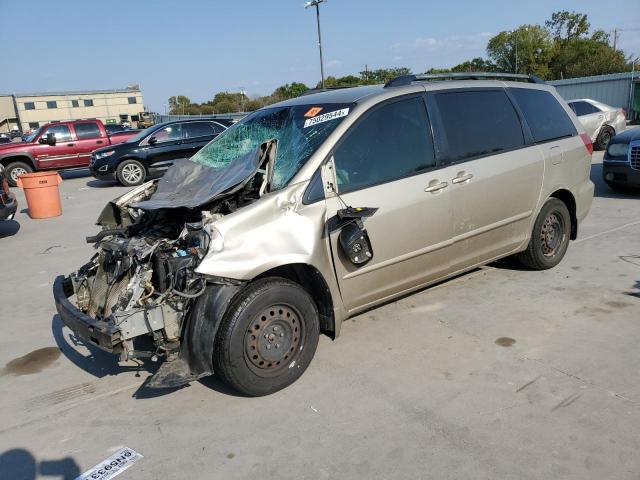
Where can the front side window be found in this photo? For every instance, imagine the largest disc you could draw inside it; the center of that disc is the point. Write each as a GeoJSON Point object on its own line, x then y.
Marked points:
{"type": "Point", "coordinates": [170, 133]}
{"type": "Point", "coordinates": [477, 123]}
{"type": "Point", "coordinates": [198, 129]}
{"type": "Point", "coordinates": [29, 106]}
{"type": "Point", "coordinates": [87, 130]}
{"type": "Point", "coordinates": [299, 131]}
{"type": "Point", "coordinates": [88, 103]}
{"type": "Point", "coordinates": [391, 142]}
{"type": "Point", "coordinates": [61, 132]}
{"type": "Point", "coordinates": [52, 104]}
{"type": "Point", "coordinates": [544, 115]}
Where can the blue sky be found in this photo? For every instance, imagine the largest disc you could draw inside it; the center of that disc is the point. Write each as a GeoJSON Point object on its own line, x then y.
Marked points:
{"type": "Point", "coordinates": [198, 47]}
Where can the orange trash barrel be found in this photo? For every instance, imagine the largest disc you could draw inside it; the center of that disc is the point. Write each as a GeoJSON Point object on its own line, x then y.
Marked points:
{"type": "Point", "coordinates": [41, 191]}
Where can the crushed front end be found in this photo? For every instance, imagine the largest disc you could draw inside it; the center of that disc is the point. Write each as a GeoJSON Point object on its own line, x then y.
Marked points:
{"type": "Point", "coordinates": [135, 295]}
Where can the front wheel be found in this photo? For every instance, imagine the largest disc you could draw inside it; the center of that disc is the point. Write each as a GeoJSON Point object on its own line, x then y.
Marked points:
{"type": "Point", "coordinates": [549, 238]}
{"type": "Point", "coordinates": [267, 338]}
{"type": "Point", "coordinates": [131, 173]}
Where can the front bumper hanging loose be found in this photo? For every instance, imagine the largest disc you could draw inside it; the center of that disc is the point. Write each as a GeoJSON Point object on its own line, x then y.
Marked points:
{"type": "Point", "coordinates": [99, 333]}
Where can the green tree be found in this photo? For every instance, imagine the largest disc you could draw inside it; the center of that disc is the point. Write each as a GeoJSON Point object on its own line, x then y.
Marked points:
{"type": "Point", "coordinates": [179, 104]}
{"type": "Point", "coordinates": [534, 50]}
{"type": "Point", "coordinates": [475, 65]}
{"type": "Point", "coordinates": [566, 25]}
{"type": "Point", "coordinates": [290, 90]}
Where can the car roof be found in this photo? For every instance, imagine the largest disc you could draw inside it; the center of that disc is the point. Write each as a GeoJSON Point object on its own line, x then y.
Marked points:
{"type": "Point", "coordinates": [338, 95]}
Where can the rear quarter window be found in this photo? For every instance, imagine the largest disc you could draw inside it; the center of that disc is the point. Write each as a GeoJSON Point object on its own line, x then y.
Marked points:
{"type": "Point", "coordinates": [545, 116]}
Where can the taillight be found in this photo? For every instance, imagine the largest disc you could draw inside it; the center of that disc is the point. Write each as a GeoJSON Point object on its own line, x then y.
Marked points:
{"type": "Point", "coordinates": [587, 142]}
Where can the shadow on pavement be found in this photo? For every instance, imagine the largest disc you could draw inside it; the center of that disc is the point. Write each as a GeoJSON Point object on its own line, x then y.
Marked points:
{"type": "Point", "coordinates": [8, 228]}
{"type": "Point", "coordinates": [97, 363]}
{"type": "Point", "coordinates": [95, 183]}
{"type": "Point", "coordinates": [20, 464]}
{"type": "Point", "coordinates": [75, 173]}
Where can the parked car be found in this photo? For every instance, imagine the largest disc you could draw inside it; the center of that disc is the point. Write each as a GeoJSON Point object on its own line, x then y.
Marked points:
{"type": "Point", "coordinates": [152, 150]}
{"type": "Point", "coordinates": [58, 146]}
{"type": "Point", "coordinates": [600, 121]}
{"type": "Point", "coordinates": [621, 163]}
{"type": "Point", "coordinates": [312, 210]}
{"type": "Point", "coordinates": [8, 202]}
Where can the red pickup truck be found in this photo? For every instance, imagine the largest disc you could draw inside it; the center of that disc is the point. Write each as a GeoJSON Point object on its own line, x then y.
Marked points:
{"type": "Point", "coordinates": [58, 145]}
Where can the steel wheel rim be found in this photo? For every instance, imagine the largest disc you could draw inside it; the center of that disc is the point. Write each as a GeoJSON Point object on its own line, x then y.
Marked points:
{"type": "Point", "coordinates": [273, 340]}
{"type": "Point", "coordinates": [17, 172]}
{"type": "Point", "coordinates": [132, 173]}
{"type": "Point", "coordinates": [552, 234]}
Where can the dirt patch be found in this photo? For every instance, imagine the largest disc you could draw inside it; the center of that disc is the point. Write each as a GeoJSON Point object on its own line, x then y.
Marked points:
{"type": "Point", "coordinates": [505, 341]}
{"type": "Point", "coordinates": [32, 362]}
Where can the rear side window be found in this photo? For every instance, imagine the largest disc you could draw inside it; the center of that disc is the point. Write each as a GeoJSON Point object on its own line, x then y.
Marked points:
{"type": "Point", "coordinates": [544, 115]}
{"type": "Point", "coordinates": [87, 130]}
{"type": "Point", "coordinates": [476, 123]}
{"type": "Point", "coordinates": [583, 108]}
{"type": "Point", "coordinates": [391, 142]}
{"type": "Point", "coordinates": [199, 129]}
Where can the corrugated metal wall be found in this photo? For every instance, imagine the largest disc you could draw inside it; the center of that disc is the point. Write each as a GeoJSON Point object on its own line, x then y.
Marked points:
{"type": "Point", "coordinates": [610, 89]}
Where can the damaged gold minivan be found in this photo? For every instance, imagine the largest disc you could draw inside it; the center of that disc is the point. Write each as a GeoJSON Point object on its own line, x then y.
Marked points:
{"type": "Point", "coordinates": [314, 209]}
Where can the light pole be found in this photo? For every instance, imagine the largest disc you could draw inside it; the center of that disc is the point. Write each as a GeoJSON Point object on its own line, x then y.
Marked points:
{"type": "Point", "coordinates": [316, 3]}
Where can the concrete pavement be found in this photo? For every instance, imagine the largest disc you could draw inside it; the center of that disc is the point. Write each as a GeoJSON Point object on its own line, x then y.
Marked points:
{"type": "Point", "coordinates": [500, 373]}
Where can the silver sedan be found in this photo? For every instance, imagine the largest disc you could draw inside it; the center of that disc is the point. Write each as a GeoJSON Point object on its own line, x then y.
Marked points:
{"type": "Point", "coordinates": [601, 121]}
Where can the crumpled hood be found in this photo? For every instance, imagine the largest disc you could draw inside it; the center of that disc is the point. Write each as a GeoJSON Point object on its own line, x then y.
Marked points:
{"type": "Point", "coordinates": [187, 184]}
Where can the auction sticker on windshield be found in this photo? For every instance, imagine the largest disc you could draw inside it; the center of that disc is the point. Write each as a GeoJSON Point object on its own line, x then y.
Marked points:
{"type": "Point", "coordinates": [112, 466]}
{"type": "Point", "coordinates": [325, 117]}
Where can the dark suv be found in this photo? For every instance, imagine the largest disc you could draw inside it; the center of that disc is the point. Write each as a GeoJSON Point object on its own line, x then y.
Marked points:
{"type": "Point", "coordinates": [153, 150]}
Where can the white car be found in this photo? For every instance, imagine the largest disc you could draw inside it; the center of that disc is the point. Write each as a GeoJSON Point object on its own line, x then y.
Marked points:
{"type": "Point", "coordinates": [601, 121]}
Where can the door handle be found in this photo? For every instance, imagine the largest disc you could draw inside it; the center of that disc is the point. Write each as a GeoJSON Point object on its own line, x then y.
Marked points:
{"type": "Point", "coordinates": [99, 142]}
{"type": "Point", "coordinates": [462, 177]}
{"type": "Point", "coordinates": [71, 144]}
{"type": "Point", "coordinates": [436, 187]}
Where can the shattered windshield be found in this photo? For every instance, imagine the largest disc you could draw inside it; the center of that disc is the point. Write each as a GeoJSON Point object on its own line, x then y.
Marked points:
{"type": "Point", "coordinates": [299, 130]}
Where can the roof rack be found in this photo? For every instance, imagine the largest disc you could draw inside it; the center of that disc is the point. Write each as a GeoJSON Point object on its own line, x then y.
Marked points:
{"type": "Point", "coordinates": [409, 79]}
{"type": "Point", "coordinates": [326, 89]}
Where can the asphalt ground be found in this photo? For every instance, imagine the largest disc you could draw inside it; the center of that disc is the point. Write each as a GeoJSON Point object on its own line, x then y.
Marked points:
{"type": "Point", "coordinates": [499, 373]}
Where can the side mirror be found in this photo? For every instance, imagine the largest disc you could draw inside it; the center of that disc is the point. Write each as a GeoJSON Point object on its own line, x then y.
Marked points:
{"type": "Point", "coordinates": [48, 139]}
{"type": "Point", "coordinates": [353, 237]}
{"type": "Point", "coordinates": [152, 141]}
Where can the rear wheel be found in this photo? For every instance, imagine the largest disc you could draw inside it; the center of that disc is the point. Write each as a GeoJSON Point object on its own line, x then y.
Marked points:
{"type": "Point", "coordinates": [267, 338]}
{"type": "Point", "coordinates": [131, 173]}
{"type": "Point", "coordinates": [15, 170]}
{"type": "Point", "coordinates": [603, 138]}
{"type": "Point", "coordinates": [550, 237]}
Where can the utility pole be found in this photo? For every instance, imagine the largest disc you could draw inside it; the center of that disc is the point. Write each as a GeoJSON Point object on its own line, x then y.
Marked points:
{"type": "Point", "coordinates": [316, 3]}
{"type": "Point", "coordinates": [615, 38]}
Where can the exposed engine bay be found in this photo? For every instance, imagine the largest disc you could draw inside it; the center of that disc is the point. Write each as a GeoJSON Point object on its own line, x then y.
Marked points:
{"type": "Point", "coordinates": [142, 279]}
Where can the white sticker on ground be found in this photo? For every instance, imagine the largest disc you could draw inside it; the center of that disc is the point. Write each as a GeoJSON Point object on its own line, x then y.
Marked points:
{"type": "Point", "coordinates": [112, 466]}
{"type": "Point", "coordinates": [325, 117]}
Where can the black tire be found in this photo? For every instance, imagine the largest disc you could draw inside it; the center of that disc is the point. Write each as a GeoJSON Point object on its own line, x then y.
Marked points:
{"type": "Point", "coordinates": [268, 312]}
{"type": "Point", "coordinates": [603, 138]}
{"type": "Point", "coordinates": [549, 238]}
{"type": "Point", "coordinates": [15, 169]}
{"type": "Point", "coordinates": [131, 172]}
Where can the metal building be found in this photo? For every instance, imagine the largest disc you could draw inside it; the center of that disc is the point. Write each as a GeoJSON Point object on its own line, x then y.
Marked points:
{"type": "Point", "coordinates": [617, 89]}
